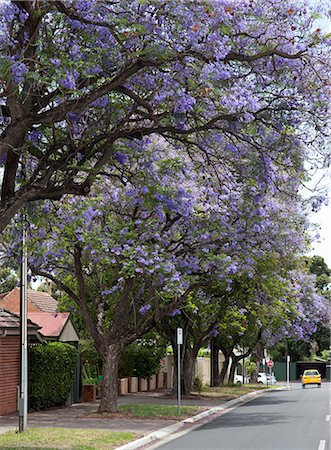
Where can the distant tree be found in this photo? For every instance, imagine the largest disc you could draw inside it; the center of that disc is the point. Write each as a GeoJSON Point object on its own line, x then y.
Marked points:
{"type": "Point", "coordinates": [315, 343]}
{"type": "Point", "coordinates": [8, 280]}
{"type": "Point", "coordinates": [50, 288]}
{"type": "Point", "coordinates": [319, 267]}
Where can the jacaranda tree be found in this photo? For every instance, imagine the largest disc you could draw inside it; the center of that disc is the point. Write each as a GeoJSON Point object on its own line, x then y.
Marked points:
{"type": "Point", "coordinates": [154, 228]}
{"type": "Point", "coordinates": [79, 76]}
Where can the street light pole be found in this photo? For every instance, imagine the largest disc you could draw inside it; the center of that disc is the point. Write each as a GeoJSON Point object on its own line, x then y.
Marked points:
{"type": "Point", "coordinates": [23, 391]}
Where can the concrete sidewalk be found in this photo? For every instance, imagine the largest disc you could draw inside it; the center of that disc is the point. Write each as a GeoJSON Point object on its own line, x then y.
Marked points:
{"type": "Point", "coordinates": [75, 416]}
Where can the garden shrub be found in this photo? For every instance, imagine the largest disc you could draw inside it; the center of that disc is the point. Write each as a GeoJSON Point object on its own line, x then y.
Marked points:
{"type": "Point", "coordinates": [140, 360]}
{"type": "Point", "coordinates": [197, 385]}
{"type": "Point", "coordinates": [52, 371]}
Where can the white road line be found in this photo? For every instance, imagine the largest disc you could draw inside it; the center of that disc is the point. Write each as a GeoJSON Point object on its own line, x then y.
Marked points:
{"type": "Point", "coordinates": [322, 445]}
{"type": "Point", "coordinates": [327, 418]}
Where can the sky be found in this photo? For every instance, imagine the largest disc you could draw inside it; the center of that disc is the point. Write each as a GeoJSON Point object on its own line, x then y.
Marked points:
{"type": "Point", "coordinates": [323, 246]}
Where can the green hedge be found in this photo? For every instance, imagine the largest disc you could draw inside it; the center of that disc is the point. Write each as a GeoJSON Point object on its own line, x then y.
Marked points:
{"type": "Point", "coordinates": [52, 372]}
{"type": "Point", "coordinates": [139, 360]}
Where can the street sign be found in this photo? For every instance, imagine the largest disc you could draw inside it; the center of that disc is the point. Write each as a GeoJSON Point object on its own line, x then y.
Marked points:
{"type": "Point", "coordinates": [270, 363]}
{"type": "Point", "coordinates": [179, 336]}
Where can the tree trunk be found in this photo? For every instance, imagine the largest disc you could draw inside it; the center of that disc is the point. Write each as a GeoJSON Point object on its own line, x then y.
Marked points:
{"type": "Point", "coordinates": [187, 366]}
{"type": "Point", "coordinates": [257, 355]}
{"type": "Point", "coordinates": [109, 390]}
{"type": "Point", "coordinates": [188, 371]}
{"type": "Point", "coordinates": [214, 360]}
{"type": "Point", "coordinates": [234, 362]}
{"type": "Point", "coordinates": [224, 370]}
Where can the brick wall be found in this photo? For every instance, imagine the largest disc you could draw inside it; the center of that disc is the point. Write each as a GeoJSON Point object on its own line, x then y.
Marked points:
{"type": "Point", "coordinates": [9, 373]}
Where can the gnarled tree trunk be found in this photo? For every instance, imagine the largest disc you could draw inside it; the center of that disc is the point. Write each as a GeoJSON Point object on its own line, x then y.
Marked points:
{"type": "Point", "coordinates": [109, 390]}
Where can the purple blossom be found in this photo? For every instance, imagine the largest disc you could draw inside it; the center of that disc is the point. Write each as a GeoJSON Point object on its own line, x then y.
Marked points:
{"type": "Point", "coordinates": [175, 312]}
{"type": "Point", "coordinates": [34, 136]}
{"type": "Point", "coordinates": [100, 102]}
{"type": "Point", "coordinates": [110, 291]}
{"type": "Point", "coordinates": [184, 103]}
{"type": "Point", "coordinates": [69, 81]}
{"type": "Point", "coordinates": [214, 333]}
{"type": "Point", "coordinates": [73, 116]}
{"type": "Point", "coordinates": [55, 61]}
{"type": "Point", "coordinates": [144, 309]}
{"type": "Point", "coordinates": [19, 70]}
{"type": "Point", "coordinates": [3, 158]}
{"type": "Point", "coordinates": [122, 158]}
{"type": "Point", "coordinates": [93, 69]}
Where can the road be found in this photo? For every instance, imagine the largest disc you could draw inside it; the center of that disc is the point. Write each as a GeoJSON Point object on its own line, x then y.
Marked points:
{"type": "Point", "coordinates": [298, 419]}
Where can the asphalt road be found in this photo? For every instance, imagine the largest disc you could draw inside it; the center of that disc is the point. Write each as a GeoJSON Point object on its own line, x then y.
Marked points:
{"type": "Point", "coordinates": [298, 419]}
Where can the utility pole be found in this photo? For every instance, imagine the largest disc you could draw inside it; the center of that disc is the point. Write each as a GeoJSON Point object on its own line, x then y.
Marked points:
{"type": "Point", "coordinates": [243, 364]}
{"type": "Point", "coordinates": [179, 343]}
{"type": "Point", "coordinates": [288, 359]}
{"type": "Point", "coordinates": [23, 391]}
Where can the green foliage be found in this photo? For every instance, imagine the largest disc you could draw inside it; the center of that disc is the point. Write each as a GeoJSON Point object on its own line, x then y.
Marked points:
{"type": "Point", "coordinates": [89, 354]}
{"type": "Point", "coordinates": [91, 361]}
{"type": "Point", "coordinates": [90, 374]}
{"type": "Point", "coordinates": [326, 355]}
{"type": "Point", "coordinates": [140, 360]}
{"type": "Point", "coordinates": [55, 292]}
{"type": "Point", "coordinates": [197, 385]}
{"type": "Point", "coordinates": [250, 367]}
{"type": "Point", "coordinates": [8, 280]}
{"type": "Point", "coordinates": [52, 372]}
{"type": "Point", "coordinates": [318, 267]}
{"type": "Point", "coordinates": [204, 353]}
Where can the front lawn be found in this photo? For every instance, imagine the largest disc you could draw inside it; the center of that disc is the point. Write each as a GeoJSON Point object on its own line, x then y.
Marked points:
{"type": "Point", "coordinates": [63, 438]}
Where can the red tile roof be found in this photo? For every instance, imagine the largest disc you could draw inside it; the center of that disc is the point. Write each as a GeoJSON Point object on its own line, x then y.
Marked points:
{"type": "Point", "coordinates": [10, 320]}
{"type": "Point", "coordinates": [51, 324]}
{"type": "Point", "coordinates": [37, 301]}
{"type": "Point", "coordinates": [42, 300]}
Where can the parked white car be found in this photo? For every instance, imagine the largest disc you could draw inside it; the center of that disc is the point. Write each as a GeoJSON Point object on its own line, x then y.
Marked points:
{"type": "Point", "coordinates": [238, 379]}
{"type": "Point", "coordinates": [264, 378]}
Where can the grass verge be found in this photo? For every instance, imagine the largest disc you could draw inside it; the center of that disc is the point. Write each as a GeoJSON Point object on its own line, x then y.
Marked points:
{"type": "Point", "coordinates": [231, 391]}
{"type": "Point", "coordinates": [148, 411]}
{"type": "Point", "coordinates": [163, 411]}
{"type": "Point", "coordinates": [63, 438]}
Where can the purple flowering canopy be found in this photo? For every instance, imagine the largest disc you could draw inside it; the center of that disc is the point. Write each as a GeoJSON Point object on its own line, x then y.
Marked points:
{"type": "Point", "coordinates": [80, 77]}
{"type": "Point", "coordinates": [156, 227]}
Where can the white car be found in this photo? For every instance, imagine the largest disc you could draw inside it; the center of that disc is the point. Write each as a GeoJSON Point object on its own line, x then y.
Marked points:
{"type": "Point", "coordinates": [238, 379]}
{"type": "Point", "coordinates": [264, 378]}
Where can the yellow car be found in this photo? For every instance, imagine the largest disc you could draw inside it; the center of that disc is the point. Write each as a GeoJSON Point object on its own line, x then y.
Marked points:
{"type": "Point", "coordinates": [311, 376]}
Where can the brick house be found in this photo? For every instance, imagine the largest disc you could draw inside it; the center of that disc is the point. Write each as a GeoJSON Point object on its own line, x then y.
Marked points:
{"type": "Point", "coordinates": [43, 310]}
{"type": "Point", "coordinates": [10, 358]}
